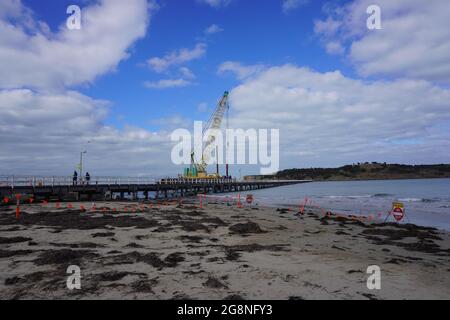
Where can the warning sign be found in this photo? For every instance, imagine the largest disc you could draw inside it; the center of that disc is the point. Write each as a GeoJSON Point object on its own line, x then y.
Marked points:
{"type": "Point", "coordinates": [398, 211]}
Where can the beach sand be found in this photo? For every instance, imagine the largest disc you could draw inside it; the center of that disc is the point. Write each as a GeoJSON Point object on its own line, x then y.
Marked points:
{"type": "Point", "coordinates": [218, 252]}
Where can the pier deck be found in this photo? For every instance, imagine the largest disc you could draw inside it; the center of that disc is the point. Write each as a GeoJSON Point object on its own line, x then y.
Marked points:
{"type": "Point", "coordinates": [112, 188]}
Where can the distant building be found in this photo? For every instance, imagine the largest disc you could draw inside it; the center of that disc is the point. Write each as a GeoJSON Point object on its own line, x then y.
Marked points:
{"type": "Point", "coordinates": [259, 177]}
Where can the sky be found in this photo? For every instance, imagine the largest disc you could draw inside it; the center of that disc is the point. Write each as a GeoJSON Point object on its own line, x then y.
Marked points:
{"type": "Point", "coordinates": [136, 70]}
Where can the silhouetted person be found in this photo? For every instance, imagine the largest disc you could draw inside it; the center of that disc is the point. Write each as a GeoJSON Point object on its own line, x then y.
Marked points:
{"type": "Point", "coordinates": [75, 178]}
{"type": "Point", "coordinates": [88, 178]}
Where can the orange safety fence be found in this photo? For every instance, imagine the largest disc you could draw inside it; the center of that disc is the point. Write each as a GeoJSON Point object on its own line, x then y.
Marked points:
{"type": "Point", "coordinates": [18, 206]}
{"type": "Point", "coordinates": [202, 201]}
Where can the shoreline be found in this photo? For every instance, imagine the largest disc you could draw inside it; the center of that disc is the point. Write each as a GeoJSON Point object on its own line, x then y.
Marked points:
{"type": "Point", "coordinates": [375, 179]}
{"type": "Point", "coordinates": [218, 252]}
{"type": "Point", "coordinates": [426, 206]}
{"type": "Point", "coordinates": [387, 179]}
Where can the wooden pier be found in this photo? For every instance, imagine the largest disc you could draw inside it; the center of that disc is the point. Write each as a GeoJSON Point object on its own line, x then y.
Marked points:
{"type": "Point", "coordinates": [128, 188]}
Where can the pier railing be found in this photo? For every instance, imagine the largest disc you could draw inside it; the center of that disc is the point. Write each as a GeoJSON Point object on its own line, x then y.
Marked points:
{"type": "Point", "coordinates": [42, 181]}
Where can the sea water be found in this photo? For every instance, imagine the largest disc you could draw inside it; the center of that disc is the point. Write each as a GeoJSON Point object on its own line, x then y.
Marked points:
{"type": "Point", "coordinates": [427, 201]}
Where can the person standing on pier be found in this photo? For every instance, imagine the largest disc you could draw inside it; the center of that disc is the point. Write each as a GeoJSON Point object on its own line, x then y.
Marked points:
{"type": "Point", "coordinates": [88, 178]}
{"type": "Point", "coordinates": [75, 178]}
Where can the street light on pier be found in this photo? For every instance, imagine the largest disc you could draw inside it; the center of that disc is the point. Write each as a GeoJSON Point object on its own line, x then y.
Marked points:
{"type": "Point", "coordinates": [81, 164]}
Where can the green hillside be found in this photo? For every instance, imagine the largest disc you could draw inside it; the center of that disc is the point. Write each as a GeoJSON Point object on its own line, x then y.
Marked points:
{"type": "Point", "coordinates": [364, 171]}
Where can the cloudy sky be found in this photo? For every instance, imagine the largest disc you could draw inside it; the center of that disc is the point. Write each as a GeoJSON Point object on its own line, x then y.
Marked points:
{"type": "Point", "coordinates": [136, 70]}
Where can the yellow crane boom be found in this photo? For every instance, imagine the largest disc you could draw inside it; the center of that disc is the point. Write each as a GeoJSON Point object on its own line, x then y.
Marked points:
{"type": "Point", "coordinates": [214, 124]}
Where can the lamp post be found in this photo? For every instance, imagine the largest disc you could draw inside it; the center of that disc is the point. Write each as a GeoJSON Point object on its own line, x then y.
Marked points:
{"type": "Point", "coordinates": [81, 165]}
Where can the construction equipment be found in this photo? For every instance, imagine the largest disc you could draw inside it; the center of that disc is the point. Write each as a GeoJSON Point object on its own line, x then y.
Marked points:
{"type": "Point", "coordinates": [198, 169]}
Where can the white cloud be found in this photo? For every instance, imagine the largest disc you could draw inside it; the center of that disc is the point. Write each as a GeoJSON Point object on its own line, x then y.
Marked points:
{"type": "Point", "coordinates": [289, 5]}
{"type": "Point", "coordinates": [202, 107]}
{"type": "Point", "coordinates": [14, 10]}
{"type": "Point", "coordinates": [327, 27]}
{"type": "Point", "coordinates": [215, 3]}
{"type": "Point", "coordinates": [41, 59]}
{"type": "Point", "coordinates": [27, 110]}
{"type": "Point", "coordinates": [239, 70]}
{"type": "Point", "coordinates": [177, 57]}
{"type": "Point", "coordinates": [172, 123]}
{"type": "Point", "coordinates": [414, 41]}
{"type": "Point", "coordinates": [11, 8]}
{"type": "Point", "coordinates": [43, 125]}
{"type": "Point", "coordinates": [328, 119]}
{"type": "Point", "coordinates": [167, 83]}
{"type": "Point", "coordinates": [334, 47]}
{"type": "Point", "coordinates": [185, 80]}
{"type": "Point", "coordinates": [44, 133]}
{"type": "Point", "coordinates": [187, 73]}
{"type": "Point", "coordinates": [212, 29]}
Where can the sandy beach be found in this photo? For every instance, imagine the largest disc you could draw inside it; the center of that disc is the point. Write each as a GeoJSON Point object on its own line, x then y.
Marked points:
{"type": "Point", "coordinates": [129, 250]}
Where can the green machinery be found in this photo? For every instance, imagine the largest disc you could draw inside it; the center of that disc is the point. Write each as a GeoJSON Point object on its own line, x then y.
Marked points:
{"type": "Point", "coordinates": [197, 169]}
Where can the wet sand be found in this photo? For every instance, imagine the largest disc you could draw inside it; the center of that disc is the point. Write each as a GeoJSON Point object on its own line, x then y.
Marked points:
{"type": "Point", "coordinates": [218, 252]}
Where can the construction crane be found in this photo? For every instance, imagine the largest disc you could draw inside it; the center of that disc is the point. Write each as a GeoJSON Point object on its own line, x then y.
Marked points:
{"type": "Point", "coordinates": [198, 170]}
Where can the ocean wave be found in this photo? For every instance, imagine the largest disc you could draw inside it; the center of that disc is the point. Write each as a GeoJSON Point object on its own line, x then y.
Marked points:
{"type": "Point", "coordinates": [376, 195]}
{"type": "Point", "coordinates": [430, 200]}
{"type": "Point", "coordinates": [382, 195]}
{"type": "Point", "coordinates": [425, 200]}
{"type": "Point", "coordinates": [349, 197]}
{"type": "Point", "coordinates": [410, 200]}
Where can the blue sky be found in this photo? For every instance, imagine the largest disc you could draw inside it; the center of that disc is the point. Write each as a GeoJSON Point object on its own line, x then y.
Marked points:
{"type": "Point", "coordinates": [254, 32]}
{"type": "Point", "coordinates": [338, 92]}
